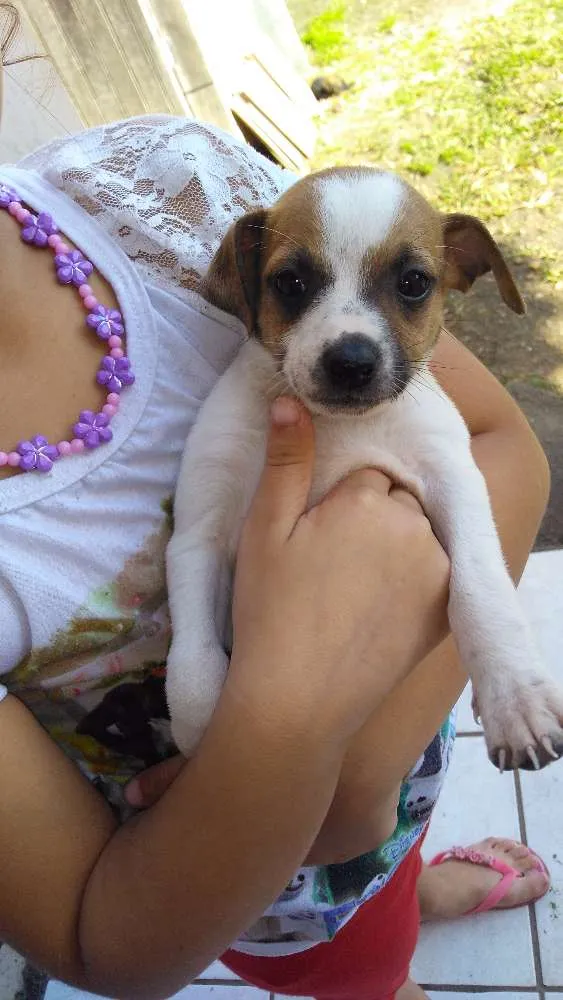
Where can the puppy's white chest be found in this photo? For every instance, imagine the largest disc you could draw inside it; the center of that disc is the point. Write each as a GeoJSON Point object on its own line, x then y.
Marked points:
{"type": "Point", "coordinates": [342, 446]}
{"type": "Point", "coordinates": [400, 439]}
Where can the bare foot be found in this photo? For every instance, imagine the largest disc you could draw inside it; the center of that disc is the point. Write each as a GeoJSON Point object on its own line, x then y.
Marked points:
{"type": "Point", "coordinates": [455, 887]}
{"type": "Point", "coordinates": [410, 991]}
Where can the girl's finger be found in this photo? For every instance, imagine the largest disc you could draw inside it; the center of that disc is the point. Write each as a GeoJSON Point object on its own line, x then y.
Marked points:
{"type": "Point", "coordinates": [285, 484]}
{"type": "Point", "coordinates": [149, 786]}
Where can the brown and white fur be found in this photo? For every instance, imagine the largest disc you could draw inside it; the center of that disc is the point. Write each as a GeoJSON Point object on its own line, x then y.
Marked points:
{"type": "Point", "coordinates": [341, 285]}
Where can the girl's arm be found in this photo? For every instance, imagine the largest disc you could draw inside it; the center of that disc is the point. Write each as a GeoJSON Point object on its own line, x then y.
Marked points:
{"type": "Point", "coordinates": [140, 910]}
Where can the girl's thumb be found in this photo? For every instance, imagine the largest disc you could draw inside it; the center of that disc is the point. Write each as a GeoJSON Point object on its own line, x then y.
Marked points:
{"type": "Point", "coordinates": [285, 484]}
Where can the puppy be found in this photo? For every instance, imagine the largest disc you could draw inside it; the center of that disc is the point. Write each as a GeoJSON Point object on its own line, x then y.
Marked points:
{"type": "Point", "coordinates": [341, 286]}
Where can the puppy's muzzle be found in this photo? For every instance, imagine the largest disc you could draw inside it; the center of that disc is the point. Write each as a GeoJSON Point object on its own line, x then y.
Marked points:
{"type": "Point", "coordinates": [348, 371]}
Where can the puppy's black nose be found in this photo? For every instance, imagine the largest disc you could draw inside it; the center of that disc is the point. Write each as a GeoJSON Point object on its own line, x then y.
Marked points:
{"type": "Point", "coordinates": [351, 362]}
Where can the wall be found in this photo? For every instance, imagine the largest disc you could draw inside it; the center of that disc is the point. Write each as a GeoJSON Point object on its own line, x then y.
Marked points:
{"type": "Point", "coordinates": [36, 106]}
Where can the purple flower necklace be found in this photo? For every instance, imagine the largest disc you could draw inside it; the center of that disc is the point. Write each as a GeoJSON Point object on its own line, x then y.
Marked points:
{"type": "Point", "coordinates": [114, 373]}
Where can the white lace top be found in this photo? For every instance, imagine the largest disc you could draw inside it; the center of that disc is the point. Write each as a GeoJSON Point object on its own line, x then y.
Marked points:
{"type": "Point", "coordinates": [85, 626]}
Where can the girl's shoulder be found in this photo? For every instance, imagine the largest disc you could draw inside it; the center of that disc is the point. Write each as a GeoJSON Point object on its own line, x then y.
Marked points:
{"type": "Point", "coordinates": [165, 188]}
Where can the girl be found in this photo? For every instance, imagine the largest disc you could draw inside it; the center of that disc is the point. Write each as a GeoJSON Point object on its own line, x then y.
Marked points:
{"type": "Point", "coordinates": [107, 352]}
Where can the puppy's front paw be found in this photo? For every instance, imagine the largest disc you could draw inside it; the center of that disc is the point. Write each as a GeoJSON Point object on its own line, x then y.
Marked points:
{"type": "Point", "coordinates": [522, 720]}
{"type": "Point", "coordinates": [186, 734]}
{"type": "Point", "coordinates": [193, 685]}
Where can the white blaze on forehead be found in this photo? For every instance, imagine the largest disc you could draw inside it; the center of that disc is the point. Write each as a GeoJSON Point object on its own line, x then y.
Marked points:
{"type": "Point", "coordinates": [357, 211]}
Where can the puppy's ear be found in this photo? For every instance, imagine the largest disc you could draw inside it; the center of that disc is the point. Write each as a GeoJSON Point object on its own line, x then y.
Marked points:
{"type": "Point", "coordinates": [233, 280]}
{"type": "Point", "coordinates": [471, 251]}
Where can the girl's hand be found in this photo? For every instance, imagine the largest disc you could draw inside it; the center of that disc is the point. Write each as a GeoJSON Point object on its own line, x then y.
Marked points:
{"type": "Point", "coordinates": [331, 607]}
{"type": "Point", "coordinates": [335, 604]}
{"type": "Point", "coordinates": [149, 786]}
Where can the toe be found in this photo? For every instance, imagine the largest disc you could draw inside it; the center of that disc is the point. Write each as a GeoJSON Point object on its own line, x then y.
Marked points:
{"type": "Point", "coordinates": [498, 846]}
{"type": "Point", "coordinates": [526, 889]}
{"type": "Point", "coordinates": [502, 844]}
{"type": "Point", "coordinates": [518, 850]}
{"type": "Point", "coordinates": [523, 860]}
{"type": "Point", "coordinates": [512, 852]}
{"type": "Point", "coordinates": [493, 844]}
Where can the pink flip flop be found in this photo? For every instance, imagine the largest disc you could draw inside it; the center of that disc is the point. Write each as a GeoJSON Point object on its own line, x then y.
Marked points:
{"type": "Point", "coordinates": [508, 873]}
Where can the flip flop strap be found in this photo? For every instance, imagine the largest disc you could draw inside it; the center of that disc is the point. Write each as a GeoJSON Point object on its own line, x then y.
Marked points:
{"type": "Point", "coordinates": [499, 891]}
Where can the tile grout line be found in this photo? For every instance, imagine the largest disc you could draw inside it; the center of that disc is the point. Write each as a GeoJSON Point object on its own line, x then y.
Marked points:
{"type": "Point", "coordinates": [456, 988]}
{"type": "Point", "coordinates": [531, 909]}
{"type": "Point", "coordinates": [467, 988]}
{"type": "Point", "coordinates": [219, 982]}
{"type": "Point", "coordinates": [471, 988]}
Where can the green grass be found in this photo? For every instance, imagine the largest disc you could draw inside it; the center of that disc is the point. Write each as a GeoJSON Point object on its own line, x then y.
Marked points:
{"type": "Point", "coordinates": [387, 23]}
{"type": "Point", "coordinates": [541, 382]}
{"type": "Point", "coordinates": [474, 113]}
{"type": "Point", "coordinates": [325, 36]}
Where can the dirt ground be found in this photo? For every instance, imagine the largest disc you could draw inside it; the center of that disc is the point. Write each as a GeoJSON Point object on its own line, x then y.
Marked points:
{"type": "Point", "coordinates": [525, 353]}
{"type": "Point", "coordinates": [522, 352]}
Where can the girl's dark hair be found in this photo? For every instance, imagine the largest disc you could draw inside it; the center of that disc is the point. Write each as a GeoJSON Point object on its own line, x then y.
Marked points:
{"type": "Point", "coordinates": [9, 28]}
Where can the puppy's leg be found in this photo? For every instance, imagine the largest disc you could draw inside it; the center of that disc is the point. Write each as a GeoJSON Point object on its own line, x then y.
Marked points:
{"type": "Point", "coordinates": [521, 707]}
{"type": "Point", "coordinates": [218, 476]}
{"type": "Point", "coordinates": [197, 663]}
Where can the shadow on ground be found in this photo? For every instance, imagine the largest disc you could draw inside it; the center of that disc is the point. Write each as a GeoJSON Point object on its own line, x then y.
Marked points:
{"type": "Point", "coordinates": [526, 354]}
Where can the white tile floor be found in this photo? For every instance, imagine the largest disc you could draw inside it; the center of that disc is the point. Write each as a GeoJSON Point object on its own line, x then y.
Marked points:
{"type": "Point", "coordinates": [517, 954]}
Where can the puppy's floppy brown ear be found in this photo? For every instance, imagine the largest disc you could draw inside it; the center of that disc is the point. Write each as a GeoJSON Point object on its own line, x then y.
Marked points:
{"type": "Point", "coordinates": [471, 251]}
{"type": "Point", "coordinates": [233, 280]}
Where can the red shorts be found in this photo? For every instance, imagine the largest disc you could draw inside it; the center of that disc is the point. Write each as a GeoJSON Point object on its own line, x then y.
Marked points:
{"type": "Point", "coordinates": [368, 959]}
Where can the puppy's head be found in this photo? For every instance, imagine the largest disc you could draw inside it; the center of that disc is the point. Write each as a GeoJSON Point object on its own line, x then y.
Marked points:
{"type": "Point", "coordinates": [343, 282]}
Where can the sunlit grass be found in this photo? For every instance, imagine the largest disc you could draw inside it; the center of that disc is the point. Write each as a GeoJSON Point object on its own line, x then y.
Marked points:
{"type": "Point", "coordinates": [473, 111]}
{"type": "Point", "coordinates": [325, 36]}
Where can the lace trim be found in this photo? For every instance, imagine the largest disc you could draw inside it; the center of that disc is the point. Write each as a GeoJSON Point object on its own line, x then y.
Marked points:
{"type": "Point", "coordinates": [166, 189]}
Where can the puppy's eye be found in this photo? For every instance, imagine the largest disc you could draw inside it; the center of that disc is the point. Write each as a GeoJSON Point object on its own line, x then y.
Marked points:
{"type": "Point", "coordinates": [414, 285]}
{"type": "Point", "coordinates": [289, 284]}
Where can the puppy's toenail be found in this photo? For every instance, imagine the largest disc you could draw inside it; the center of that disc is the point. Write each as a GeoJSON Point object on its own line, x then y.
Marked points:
{"type": "Point", "coordinates": [533, 757]}
{"type": "Point", "coordinates": [548, 747]}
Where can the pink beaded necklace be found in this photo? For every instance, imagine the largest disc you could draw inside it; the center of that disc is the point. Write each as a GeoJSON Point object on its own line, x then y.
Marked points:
{"type": "Point", "coordinates": [114, 373]}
